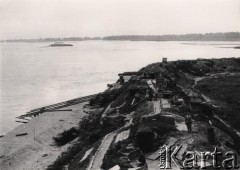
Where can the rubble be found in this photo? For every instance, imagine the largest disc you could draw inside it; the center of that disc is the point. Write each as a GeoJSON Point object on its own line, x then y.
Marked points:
{"type": "Point", "coordinates": [146, 110]}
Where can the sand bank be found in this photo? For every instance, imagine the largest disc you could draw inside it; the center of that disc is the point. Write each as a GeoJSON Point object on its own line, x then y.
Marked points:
{"type": "Point", "coordinates": [36, 150]}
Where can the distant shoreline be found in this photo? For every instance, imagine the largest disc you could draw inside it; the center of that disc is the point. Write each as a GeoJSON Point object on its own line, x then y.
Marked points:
{"type": "Point", "coordinates": [210, 44]}
{"type": "Point", "coordinates": [227, 36]}
{"type": "Point", "coordinates": [136, 40]}
{"type": "Point", "coordinates": [4, 42]}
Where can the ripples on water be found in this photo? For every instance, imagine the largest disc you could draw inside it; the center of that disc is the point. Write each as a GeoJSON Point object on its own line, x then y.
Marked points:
{"type": "Point", "coordinates": [34, 75]}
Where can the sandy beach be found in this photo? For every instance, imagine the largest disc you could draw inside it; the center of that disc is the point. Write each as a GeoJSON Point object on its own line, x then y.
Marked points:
{"type": "Point", "coordinates": [36, 150]}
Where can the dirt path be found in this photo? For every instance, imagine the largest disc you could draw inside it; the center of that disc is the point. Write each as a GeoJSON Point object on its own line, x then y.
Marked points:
{"type": "Point", "coordinates": [156, 107]}
{"type": "Point", "coordinates": [97, 160]}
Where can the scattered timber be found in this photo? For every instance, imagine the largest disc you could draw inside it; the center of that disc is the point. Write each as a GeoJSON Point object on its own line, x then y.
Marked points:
{"type": "Point", "coordinates": [61, 110]}
{"type": "Point", "coordinates": [19, 121]}
{"type": "Point", "coordinates": [21, 134]}
{"type": "Point", "coordinates": [38, 111]}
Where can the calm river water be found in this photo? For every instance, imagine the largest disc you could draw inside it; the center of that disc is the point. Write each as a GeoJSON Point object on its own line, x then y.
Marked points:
{"type": "Point", "coordinates": [34, 75]}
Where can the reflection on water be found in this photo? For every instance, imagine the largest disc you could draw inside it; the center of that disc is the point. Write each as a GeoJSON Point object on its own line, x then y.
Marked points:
{"type": "Point", "coordinates": [33, 75]}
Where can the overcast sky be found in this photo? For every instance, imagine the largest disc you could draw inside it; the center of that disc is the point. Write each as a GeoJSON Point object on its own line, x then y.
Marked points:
{"type": "Point", "coordinates": [66, 18]}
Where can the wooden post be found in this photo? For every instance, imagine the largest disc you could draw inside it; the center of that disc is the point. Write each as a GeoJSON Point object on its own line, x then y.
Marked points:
{"type": "Point", "coordinates": [34, 136]}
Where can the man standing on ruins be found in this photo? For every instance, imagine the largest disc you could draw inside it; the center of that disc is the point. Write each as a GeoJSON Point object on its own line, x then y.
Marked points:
{"type": "Point", "coordinates": [188, 121]}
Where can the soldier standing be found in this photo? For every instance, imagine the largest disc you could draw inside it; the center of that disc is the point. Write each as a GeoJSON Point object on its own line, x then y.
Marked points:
{"type": "Point", "coordinates": [188, 121]}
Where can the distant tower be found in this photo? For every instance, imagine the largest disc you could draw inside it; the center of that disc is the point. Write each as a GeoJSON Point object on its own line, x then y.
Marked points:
{"type": "Point", "coordinates": [164, 60]}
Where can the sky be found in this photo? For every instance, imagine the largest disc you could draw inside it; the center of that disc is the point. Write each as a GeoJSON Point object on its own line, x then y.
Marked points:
{"type": "Point", "coordinates": [80, 18]}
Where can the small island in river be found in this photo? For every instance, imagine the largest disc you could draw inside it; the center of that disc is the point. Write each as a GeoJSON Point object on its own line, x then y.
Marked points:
{"type": "Point", "coordinates": [59, 44]}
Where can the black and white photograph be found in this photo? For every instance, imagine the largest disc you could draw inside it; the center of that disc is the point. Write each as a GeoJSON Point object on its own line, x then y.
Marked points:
{"type": "Point", "coordinates": [119, 84]}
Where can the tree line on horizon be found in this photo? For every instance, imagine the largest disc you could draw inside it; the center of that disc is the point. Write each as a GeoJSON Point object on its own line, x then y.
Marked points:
{"type": "Point", "coordinates": [228, 36]}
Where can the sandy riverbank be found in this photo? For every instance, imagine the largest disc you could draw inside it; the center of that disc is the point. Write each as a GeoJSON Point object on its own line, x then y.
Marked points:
{"type": "Point", "coordinates": [36, 149]}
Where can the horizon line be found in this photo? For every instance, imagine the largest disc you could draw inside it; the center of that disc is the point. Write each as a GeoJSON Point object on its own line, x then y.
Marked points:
{"type": "Point", "coordinates": [120, 35]}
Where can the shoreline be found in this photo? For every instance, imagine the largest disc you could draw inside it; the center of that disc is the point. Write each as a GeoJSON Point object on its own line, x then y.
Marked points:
{"type": "Point", "coordinates": [53, 107]}
{"type": "Point", "coordinates": [25, 118]}
{"type": "Point", "coordinates": [36, 147]}
{"type": "Point", "coordinates": [160, 96]}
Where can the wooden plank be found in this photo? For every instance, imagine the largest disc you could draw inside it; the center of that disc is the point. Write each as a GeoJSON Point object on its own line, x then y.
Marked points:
{"type": "Point", "coordinates": [20, 121]}
{"type": "Point", "coordinates": [37, 111]}
{"type": "Point", "coordinates": [21, 134]}
{"type": "Point", "coordinates": [63, 110]}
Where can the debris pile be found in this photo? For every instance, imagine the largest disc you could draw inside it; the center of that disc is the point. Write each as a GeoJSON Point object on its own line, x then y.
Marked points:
{"type": "Point", "coordinates": [145, 110]}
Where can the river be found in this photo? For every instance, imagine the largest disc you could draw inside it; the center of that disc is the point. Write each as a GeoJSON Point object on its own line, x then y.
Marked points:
{"type": "Point", "coordinates": [34, 75]}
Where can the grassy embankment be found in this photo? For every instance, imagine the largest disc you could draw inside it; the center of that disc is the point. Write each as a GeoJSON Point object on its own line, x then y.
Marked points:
{"type": "Point", "coordinates": [225, 91]}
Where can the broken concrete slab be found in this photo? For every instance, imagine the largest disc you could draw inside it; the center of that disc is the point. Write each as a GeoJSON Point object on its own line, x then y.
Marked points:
{"type": "Point", "coordinates": [116, 167]}
{"type": "Point", "coordinates": [181, 126]}
{"type": "Point", "coordinates": [156, 107]}
{"type": "Point", "coordinates": [165, 104]}
{"type": "Point", "coordinates": [122, 136]}
{"type": "Point", "coordinates": [87, 153]}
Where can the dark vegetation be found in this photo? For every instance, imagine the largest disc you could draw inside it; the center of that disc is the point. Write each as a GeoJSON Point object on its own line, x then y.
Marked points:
{"type": "Point", "coordinates": [183, 71]}
{"type": "Point", "coordinates": [114, 156]}
{"type": "Point", "coordinates": [103, 99]}
{"type": "Point", "coordinates": [64, 158]}
{"type": "Point", "coordinates": [89, 132]}
{"type": "Point", "coordinates": [54, 39]}
{"type": "Point", "coordinates": [229, 36]}
{"type": "Point", "coordinates": [198, 67]}
{"type": "Point", "coordinates": [66, 136]}
{"type": "Point", "coordinates": [125, 99]}
{"type": "Point", "coordinates": [84, 139]}
{"type": "Point", "coordinates": [225, 90]}
{"type": "Point", "coordinates": [75, 163]}
{"type": "Point", "coordinates": [235, 137]}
